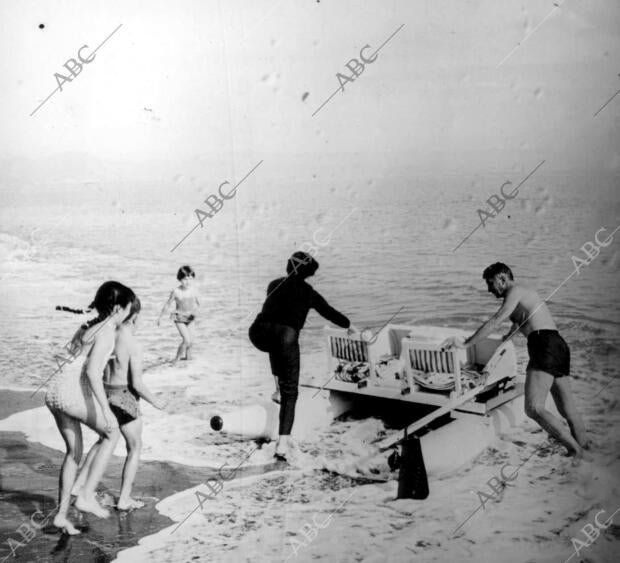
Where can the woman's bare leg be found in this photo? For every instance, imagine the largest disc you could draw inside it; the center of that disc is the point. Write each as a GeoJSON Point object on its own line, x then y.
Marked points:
{"type": "Point", "coordinates": [132, 432]}
{"type": "Point", "coordinates": [85, 468]}
{"type": "Point", "coordinates": [86, 500]}
{"type": "Point", "coordinates": [72, 435]}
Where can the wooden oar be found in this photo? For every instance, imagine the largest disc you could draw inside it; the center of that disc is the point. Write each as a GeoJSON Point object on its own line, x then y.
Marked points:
{"type": "Point", "coordinates": [451, 405]}
{"type": "Point", "coordinates": [392, 441]}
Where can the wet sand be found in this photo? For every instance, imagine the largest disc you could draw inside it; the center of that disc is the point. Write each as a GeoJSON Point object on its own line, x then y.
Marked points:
{"type": "Point", "coordinates": [29, 481]}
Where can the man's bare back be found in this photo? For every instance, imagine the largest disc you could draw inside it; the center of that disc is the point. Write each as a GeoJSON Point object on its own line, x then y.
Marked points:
{"type": "Point", "coordinates": [549, 365]}
{"type": "Point", "coordinates": [530, 312]}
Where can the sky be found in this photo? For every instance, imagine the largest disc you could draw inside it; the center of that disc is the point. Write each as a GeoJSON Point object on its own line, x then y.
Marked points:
{"type": "Point", "coordinates": [205, 90]}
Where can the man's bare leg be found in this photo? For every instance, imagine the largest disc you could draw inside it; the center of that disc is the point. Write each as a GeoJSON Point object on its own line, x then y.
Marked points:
{"type": "Point", "coordinates": [563, 398]}
{"type": "Point", "coordinates": [537, 386]}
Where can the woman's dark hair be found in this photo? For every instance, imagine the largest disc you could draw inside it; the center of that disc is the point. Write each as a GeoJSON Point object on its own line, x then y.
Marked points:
{"type": "Point", "coordinates": [185, 272]}
{"type": "Point", "coordinates": [495, 269]}
{"type": "Point", "coordinates": [109, 294]}
{"type": "Point", "coordinates": [136, 307]}
{"type": "Point", "coordinates": [301, 265]}
{"type": "Point", "coordinates": [72, 310]}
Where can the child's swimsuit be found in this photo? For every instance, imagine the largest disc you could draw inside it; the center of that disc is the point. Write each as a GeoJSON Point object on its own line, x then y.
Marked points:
{"type": "Point", "coordinates": [184, 318]}
{"type": "Point", "coordinates": [123, 402]}
{"type": "Point", "coordinates": [70, 391]}
{"type": "Point", "coordinates": [548, 352]}
{"type": "Point", "coordinates": [184, 311]}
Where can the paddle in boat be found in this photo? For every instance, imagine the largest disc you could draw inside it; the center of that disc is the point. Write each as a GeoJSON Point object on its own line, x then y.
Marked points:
{"type": "Point", "coordinates": [457, 401]}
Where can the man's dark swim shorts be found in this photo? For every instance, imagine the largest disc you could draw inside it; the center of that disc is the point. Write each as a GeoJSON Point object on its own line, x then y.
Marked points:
{"type": "Point", "coordinates": [548, 352]}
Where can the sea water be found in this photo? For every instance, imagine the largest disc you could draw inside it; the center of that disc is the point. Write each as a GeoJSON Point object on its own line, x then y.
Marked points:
{"type": "Point", "coordinates": [393, 250]}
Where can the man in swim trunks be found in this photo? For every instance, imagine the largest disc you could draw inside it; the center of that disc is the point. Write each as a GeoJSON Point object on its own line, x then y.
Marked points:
{"type": "Point", "coordinates": [549, 365]}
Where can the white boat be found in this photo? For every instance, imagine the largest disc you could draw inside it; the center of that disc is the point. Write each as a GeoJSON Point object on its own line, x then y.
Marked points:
{"type": "Point", "coordinates": [474, 394]}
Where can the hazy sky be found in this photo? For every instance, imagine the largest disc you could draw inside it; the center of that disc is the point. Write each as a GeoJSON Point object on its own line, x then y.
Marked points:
{"type": "Point", "coordinates": [191, 84]}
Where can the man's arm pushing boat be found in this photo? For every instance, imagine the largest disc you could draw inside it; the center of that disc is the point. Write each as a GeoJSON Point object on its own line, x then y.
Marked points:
{"type": "Point", "coordinates": [511, 300]}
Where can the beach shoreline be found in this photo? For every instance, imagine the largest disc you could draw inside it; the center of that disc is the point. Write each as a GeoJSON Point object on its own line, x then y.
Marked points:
{"type": "Point", "coordinates": [29, 482]}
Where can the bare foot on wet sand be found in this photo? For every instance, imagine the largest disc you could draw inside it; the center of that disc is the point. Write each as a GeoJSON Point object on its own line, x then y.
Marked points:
{"type": "Point", "coordinates": [582, 455]}
{"type": "Point", "coordinates": [91, 506]}
{"type": "Point", "coordinates": [65, 526]}
{"type": "Point", "coordinates": [129, 504]}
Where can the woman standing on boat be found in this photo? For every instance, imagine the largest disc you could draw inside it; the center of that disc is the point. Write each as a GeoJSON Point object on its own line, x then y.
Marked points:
{"type": "Point", "coordinates": [276, 331]}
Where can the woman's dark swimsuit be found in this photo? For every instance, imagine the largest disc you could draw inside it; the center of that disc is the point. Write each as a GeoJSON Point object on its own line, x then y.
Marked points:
{"type": "Point", "coordinates": [276, 331]}
{"type": "Point", "coordinates": [123, 402]}
{"type": "Point", "coordinates": [548, 352]}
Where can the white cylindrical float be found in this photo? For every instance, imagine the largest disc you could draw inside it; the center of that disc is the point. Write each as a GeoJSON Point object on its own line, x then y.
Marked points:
{"type": "Point", "coordinates": [249, 421]}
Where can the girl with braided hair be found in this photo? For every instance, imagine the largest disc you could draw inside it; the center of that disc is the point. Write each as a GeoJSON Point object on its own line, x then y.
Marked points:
{"type": "Point", "coordinates": [77, 396]}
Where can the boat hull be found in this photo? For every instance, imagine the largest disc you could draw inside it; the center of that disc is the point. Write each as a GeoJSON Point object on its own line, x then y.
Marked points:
{"type": "Point", "coordinates": [459, 442]}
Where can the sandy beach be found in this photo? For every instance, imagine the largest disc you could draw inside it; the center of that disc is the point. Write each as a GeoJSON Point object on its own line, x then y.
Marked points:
{"type": "Point", "coordinates": [30, 484]}
{"type": "Point", "coordinates": [406, 146]}
{"type": "Point", "coordinates": [268, 514]}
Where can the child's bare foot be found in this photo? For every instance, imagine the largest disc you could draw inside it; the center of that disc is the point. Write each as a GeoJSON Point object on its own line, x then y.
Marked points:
{"type": "Point", "coordinates": [581, 455]}
{"type": "Point", "coordinates": [589, 445]}
{"type": "Point", "coordinates": [62, 523]}
{"type": "Point", "coordinates": [90, 505]}
{"type": "Point", "coordinates": [129, 504]}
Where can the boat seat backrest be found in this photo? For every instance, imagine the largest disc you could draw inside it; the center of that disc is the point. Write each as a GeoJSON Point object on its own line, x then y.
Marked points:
{"type": "Point", "coordinates": [349, 349]}
{"type": "Point", "coordinates": [428, 360]}
{"type": "Point", "coordinates": [395, 337]}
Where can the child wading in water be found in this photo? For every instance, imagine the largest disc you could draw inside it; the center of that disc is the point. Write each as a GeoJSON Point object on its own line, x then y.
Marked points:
{"type": "Point", "coordinates": [187, 305]}
{"type": "Point", "coordinates": [123, 388]}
